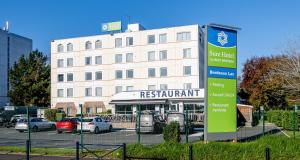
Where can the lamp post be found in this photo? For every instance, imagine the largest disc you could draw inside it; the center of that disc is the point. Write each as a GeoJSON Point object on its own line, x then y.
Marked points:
{"type": "Point", "coordinates": [263, 118]}
{"type": "Point", "coordinates": [81, 135]}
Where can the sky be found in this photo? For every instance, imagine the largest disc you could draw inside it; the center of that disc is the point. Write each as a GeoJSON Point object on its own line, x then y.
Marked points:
{"type": "Point", "coordinates": [267, 25]}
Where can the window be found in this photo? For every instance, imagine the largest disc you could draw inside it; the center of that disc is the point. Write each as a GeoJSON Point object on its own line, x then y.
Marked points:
{"type": "Point", "coordinates": [69, 62]}
{"type": "Point", "coordinates": [69, 92]}
{"type": "Point", "coordinates": [151, 56]}
{"type": "Point", "coordinates": [98, 110]}
{"type": "Point", "coordinates": [70, 77]}
{"type": "Point", "coordinates": [129, 41]}
{"type": "Point", "coordinates": [118, 58]}
{"type": "Point", "coordinates": [60, 48]}
{"type": "Point", "coordinates": [129, 57]}
{"type": "Point", "coordinates": [118, 42]}
{"type": "Point", "coordinates": [187, 53]}
{"type": "Point", "coordinates": [151, 72]}
{"type": "Point", "coordinates": [60, 78]}
{"type": "Point", "coordinates": [163, 71]}
{"type": "Point", "coordinates": [98, 44]}
{"type": "Point", "coordinates": [187, 86]}
{"type": "Point", "coordinates": [187, 70]}
{"type": "Point", "coordinates": [129, 73]}
{"type": "Point", "coordinates": [151, 39]}
{"type": "Point", "coordinates": [88, 92]}
{"type": "Point", "coordinates": [98, 91]}
{"type": "Point", "coordinates": [60, 93]}
{"type": "Point", "coordinates": [88, 61]}
{"type": "Point", "coordinates": [88, 45]}
{"type": "Point", "coordinates": [98, 75]}
{"type": "Point", "coordinates": [60, 63]}
{"type": "Point", "coordinates": [163, 86]}
{"type": "Point", "coordinates": [69, 47]}
{"type": "Point", "coordinates": [69, 111]}
{"type": "Point", "coordinates": [119, 74]}
{"type": "Point", "coordinates": [89, 110]}
{"type": "Point", "coordinates": [183, 36]}
{"type": "Point", "coordinates": [163, 55]}
{"type": "Point", "coordinates": [129, 88]}
{"type": "Point", "coordinates": [88, 76]}
{"type": "Point", "coordinates": [98, 60]}
{"type": "Point", "coordinates": [163, 38]}
{"type": "Point", "coordinates": [118, 89]}
{"type": "Point", "coordinates": [151, 87]}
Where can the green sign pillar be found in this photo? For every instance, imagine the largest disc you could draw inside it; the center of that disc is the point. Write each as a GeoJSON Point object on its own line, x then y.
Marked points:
{"type": "Point", "coordinates": [220, 83]}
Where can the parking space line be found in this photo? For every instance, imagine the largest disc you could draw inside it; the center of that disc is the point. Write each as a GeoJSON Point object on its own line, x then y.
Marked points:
{"type": "Point", "coordinates": [158, 135]}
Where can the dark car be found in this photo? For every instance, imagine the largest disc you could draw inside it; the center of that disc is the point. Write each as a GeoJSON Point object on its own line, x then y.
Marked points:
{"type": "Point", "coordinates": [150, 123]}
{"type": "Point", "coordinates": [67, 125]}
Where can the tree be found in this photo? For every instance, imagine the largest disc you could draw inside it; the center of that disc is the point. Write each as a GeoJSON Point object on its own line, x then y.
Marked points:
{"type": "Point", "coordinates": [30, 80]}
{"type": "Point", "coordinates": [262, 88]}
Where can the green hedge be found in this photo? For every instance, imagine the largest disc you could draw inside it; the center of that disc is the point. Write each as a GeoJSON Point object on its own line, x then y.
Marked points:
{"type": "Point", "coordinates": [283, 119]}
{"type": "Point", "coordinates": [280, 147]}
{"type": "Point", "coordinates": [50, 114]}
{"type": "Point", "coordinates": [171, 132]}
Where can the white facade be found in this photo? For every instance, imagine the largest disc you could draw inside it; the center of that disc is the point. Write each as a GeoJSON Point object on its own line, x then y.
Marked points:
{"type": "Point", "coordinates": [176, 55]}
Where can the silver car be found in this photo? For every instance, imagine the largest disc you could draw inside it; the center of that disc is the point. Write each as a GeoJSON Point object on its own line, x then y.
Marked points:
{"type": "Point", "coordinates": [36, 124]}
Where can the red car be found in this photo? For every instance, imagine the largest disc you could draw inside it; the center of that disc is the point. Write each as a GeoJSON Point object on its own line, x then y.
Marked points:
{"type": "Point", "coordinates": [67, 125]}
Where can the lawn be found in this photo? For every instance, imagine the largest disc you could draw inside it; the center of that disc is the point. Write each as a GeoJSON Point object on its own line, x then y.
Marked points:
{"type": "Point", "coordinates": [281, 147]}
{"type": "Point", "coordinates": [291, 134]}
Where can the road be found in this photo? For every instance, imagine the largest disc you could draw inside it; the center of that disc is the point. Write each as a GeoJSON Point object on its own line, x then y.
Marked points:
{"type": "Point", "coordinates": [10, 137]}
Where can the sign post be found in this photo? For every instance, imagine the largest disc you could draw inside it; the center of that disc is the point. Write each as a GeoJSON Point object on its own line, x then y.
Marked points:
{"type": "Point", "coordinates": [294, 120]}
{"type": "Point", "coordinates": [220, 82]}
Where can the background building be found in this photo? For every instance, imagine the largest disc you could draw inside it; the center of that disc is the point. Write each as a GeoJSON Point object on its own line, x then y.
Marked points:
{"type": "Point", "coordinates": [12, 46]}
{"type": "Point", "coordinates": [92, 70]}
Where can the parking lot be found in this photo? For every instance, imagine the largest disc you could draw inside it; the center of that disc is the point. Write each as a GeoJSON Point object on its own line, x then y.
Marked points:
{"type": "Point", "coordinates": [11, 137]}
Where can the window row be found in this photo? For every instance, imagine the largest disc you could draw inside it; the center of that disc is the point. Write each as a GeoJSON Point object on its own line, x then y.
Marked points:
{"type": "Point", "coordinates": [163, 72]}
{"type": "Point", "coordinates": [163, 55]}
{"type": "Point", "coordinates": [162, 38]}
{"type": "Point", "coordinates": [88, 92]}
{"type": "Point", "coordinates": [98, 90]}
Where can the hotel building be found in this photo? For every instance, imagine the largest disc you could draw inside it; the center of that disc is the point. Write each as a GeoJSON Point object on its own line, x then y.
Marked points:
{"type": "Point", "coordinates": [156, 69]}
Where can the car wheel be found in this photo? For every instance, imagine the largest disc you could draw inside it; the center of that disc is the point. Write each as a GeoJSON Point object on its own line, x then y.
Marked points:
{"type": "Point", "coordinates": [35, 128]}
{"type": "Point", "coordinates": [110, 128]}
{"type": "Point", "coordinates": [59, 132]}
{"type": "Point", "coordinates": [96, 131]}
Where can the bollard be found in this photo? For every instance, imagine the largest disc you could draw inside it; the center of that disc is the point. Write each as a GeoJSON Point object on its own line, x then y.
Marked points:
{"type": "Point", "coordinates": [77, 150]}
{"type": "Point", "coordinates": [267, 153]}
{"type": "Point", "coordinates": [27, 150]}
{"type": "Point", "coordinates": [124, 151]}
{"type": "Point", "coordinates": [190, 152]}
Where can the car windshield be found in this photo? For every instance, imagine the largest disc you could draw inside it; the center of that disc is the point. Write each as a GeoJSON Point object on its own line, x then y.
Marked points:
{"type": "Point", "coordinates": [146, 118]}
{"type": "Point", "coordinates": [175, 117]}
{"type": "Point", "coordinates": [22, 120]}
{"type": "Point", "coordinates": [66, 120]}
{"type": "Point", "coordinates": [87, 120]}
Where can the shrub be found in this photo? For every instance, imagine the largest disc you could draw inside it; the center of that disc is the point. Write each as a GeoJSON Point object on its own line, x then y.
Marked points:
{"type": "Point", "coordinates": [50, 114]}
{"type": "Point", "coordinates": [283, 119]}
{"type": "Point", "coordinates": [171, 132]}
{"type": "Point", "coordinates": [60, 116]}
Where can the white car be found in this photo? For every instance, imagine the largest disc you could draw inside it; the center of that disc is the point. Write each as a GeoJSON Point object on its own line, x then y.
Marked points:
{"type": "Point", "coordinates": [94, 125]}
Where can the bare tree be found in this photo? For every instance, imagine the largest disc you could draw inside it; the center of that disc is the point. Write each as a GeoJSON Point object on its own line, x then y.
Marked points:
{"type": "Point", "coordinates": [288, 69]}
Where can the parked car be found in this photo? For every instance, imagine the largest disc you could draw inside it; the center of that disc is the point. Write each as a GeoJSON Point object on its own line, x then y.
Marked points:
{"type": "Point", "coordinates": [180, 118]}
{"type": "Point", "coordinates": [150, 123]}
{"type": "Point", "coordinates": [94, 125]}
{"type": "Point", "coordinates": [36, 124]}
{"type": "Point", "coordinates": [14, 119]}
{"type": "Point", "coordinates": [67, 125]}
